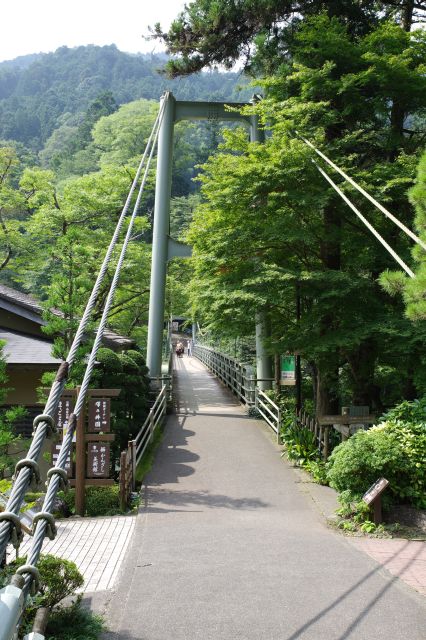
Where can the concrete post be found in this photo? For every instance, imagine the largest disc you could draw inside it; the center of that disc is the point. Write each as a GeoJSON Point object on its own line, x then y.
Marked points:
{"type": "Point", "coordinates": [263, 360]}
{"type": "Point", "coordinates": [160, 238]}
{"type": "Point", "coordinates": [263, 331]}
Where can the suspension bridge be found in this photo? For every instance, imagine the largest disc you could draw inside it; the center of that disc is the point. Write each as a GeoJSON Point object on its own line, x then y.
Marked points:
{"type": "Point", "coordinates": [229, 542]}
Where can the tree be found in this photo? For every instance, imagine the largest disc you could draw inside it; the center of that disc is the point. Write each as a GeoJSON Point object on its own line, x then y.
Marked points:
{"type": "Point", "coordinates": [270, 223]}
{"type": "Point", "coordinates": [206, 34]}
{"type": "Point", "coordinates": [8, 418]}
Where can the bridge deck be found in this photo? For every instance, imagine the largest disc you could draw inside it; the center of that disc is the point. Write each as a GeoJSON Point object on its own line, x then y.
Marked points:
{"type": "Point", "coordinates": [227, 546]}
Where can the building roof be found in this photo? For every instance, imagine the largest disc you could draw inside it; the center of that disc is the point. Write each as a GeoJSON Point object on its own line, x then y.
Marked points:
{"type": "Point", "coordinates": [25, 349]}
{"type": "Point", "coordinates": [21, 299]}
{"type": "Point", "coordinates": [24, 304]}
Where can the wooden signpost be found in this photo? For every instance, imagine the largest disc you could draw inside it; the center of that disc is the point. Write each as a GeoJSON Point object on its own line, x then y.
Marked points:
{"type": "Point", "coordinates": [92, 443]}
{"type": "Point", "coordinates": [374, 496]}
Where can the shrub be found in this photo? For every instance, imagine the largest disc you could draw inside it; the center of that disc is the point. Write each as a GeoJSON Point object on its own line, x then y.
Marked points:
{"type": "Point", "coordinates": [413, 411]}
{"type": "Point", "coordinates": [74, 623]}
{"type": "Point", "coordinates": [318, 471]}
{"type": "Point", "coordinates": [300, 444]}
{"type": "Point", "coordinates": [109, 359]}
{"type": "Point", "coordinates": [100, 501]}
{"type": "Point", "coordinates": [59, 579]}
{"type": "Point", "coordinates": [393, 449]}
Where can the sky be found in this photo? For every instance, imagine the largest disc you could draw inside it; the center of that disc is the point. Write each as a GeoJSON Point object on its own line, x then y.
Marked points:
{"type": "Point", "coordinates": [34, 26]}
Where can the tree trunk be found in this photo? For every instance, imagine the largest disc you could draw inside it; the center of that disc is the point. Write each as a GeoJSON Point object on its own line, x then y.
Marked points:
{"type": "Point", "coordinates": [327, 401]}
{"type": "Point", "coordinates": [407, 15]}
{"type": "Point", "coordinates": [297, 361]}
{"type": "Point", "coordinates": [277, 372]}
{"type": "Point", "coordinates": [362, 367]}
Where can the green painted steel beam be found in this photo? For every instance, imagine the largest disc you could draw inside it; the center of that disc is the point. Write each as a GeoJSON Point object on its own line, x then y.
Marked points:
{"type": "Point", "coordinates": [164, 247]}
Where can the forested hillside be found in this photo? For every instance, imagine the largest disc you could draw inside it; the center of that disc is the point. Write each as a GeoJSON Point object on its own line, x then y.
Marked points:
{"type": "Point", "coordinates": [269, 234]}
{"type": "Point", "coordinates": [39, 92]}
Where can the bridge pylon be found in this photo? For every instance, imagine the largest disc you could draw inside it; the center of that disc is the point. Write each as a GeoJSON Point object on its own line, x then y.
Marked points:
{"type": "Point", "coordinates": [163, 247]}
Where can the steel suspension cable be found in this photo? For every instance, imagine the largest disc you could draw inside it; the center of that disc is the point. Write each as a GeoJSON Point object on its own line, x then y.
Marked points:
{"type": "Point", "coordinates": [27, 468]}
{"type": "Point", "coordinates": [365, 221]}
{"type": "Point", "coordinates": [365, 193]}
{"type": "Point", "coordinates": [56, 473]}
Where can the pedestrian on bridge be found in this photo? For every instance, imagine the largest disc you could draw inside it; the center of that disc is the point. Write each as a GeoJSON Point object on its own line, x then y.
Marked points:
{"type": "Point", "coordinates": [189, 348]}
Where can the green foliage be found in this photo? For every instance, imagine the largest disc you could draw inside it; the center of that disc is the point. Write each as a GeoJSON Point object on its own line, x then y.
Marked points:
{"type": "Point", "coordinates": [147, 460]}
{"type": "Point", "coordinates": [259, 33]}
{"type": "Point", "coordinates": [74, 623]}
{"type": "Point", "coordinates": [393, 449]}
{"type": "Point", "coordinates": [300, 444]}
{"type": "Point", "coordinates": [318, 471]}
{"type": "Point", "coordinates": [269, 226]}
{"type": "Point", "coordinates": [89, 81]}
{"type": "Point", "coordinates": [59, 579]}
{"type": "Point", "coordinates": [354, 515]}
{"type": "Point", "coordinates": [8, 419]}
{"type": "Point", "coordinates": [128, 372]}
{"type": "Point", "coordinates": [100, 501]}
{"type": "Point", "coordinates": [408, 411]}
{"type": "Point", "coordinates": [412, 289]}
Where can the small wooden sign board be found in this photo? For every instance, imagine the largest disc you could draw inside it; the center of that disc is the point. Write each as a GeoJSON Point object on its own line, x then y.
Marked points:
{"type": "Point", "coordinates": [375, 490]}
{"type": "Point", "coordinates": [374, 496]}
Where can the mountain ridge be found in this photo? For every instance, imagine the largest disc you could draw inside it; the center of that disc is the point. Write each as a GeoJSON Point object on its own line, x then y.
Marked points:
{"type": "Point", "coordinates": [38, 89]}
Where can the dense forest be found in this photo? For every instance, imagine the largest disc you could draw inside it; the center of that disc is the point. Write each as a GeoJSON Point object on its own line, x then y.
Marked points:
{"type": "Point", "coordinates": [74, 125]}
{"type": "Point", "coordinates": [39, 93]}
{"type": "Point", "coordinates": [270, 236]}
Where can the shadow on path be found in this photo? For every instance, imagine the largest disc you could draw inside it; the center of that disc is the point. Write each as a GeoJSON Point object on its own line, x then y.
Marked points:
{"type": "Point", "coordinates": [197, 498]}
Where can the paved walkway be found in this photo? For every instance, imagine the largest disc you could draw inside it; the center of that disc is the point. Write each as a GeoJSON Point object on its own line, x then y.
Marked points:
{"type": "Point", "coordinates": [96, 545]}
{"type": "Point", "coordinates": [229, 545]}
{"type": "Point", "coordinates": [405, 559]}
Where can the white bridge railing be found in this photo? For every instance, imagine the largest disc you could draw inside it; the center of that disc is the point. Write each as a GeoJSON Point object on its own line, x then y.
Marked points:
{"type": "Point", "coordinates": [269, 411]}
{"type": "Point", "coordinates": [241, 381]}
{"type": "Point", "coordinates": [147, 430]}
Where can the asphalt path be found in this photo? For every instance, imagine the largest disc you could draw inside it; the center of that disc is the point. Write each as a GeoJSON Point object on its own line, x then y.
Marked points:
{"type": "Point", "coordinates": [228, 546]}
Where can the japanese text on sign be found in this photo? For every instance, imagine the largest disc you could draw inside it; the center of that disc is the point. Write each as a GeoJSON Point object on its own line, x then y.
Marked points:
{"type": "Point", "coordinates": [98, 460]}
{"type": "Point", "coordinates": [99, 415]}
{"type": "Point", "coordinates": [63, 412]}
{"type": "Point", "coordinates": [55, 455]}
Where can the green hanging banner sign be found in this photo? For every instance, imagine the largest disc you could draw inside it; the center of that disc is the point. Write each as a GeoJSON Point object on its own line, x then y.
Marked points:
{"type": "Point", "coordinates": [288, 370]}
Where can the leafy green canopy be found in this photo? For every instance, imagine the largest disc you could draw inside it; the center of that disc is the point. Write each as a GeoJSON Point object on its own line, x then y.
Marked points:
{"type": "Point", "coordinates": [270, 225]}
{"type": "Point", "coordinates": [413, 290]}
{"type": "Point", "coordinates": [260, 32]}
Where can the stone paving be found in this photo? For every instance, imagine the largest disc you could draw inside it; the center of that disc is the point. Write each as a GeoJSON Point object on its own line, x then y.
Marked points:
{"type": "Point", "coordinates": [405, 559]}
{"type": "Point", "coordinates": [96, 545]}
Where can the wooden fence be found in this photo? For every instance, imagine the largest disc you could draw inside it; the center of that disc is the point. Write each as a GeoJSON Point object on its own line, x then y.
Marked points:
{"type": "Point", "coordinates": [321, 432]}
{"type": "Point", "coordinates": [127, 474]}
{"type": "Point", "coordinates": [131, 457]}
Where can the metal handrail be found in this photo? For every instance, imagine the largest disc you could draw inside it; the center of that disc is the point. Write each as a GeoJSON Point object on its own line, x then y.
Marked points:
{"type": "Point", "coordinates": [264, 403]}
{"type": "Point", "coordinates": [243, 384]}
{"type": "Point", "coordinates": [147, 430]}
{"type": "Point", "coordinates": [235, 375]}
